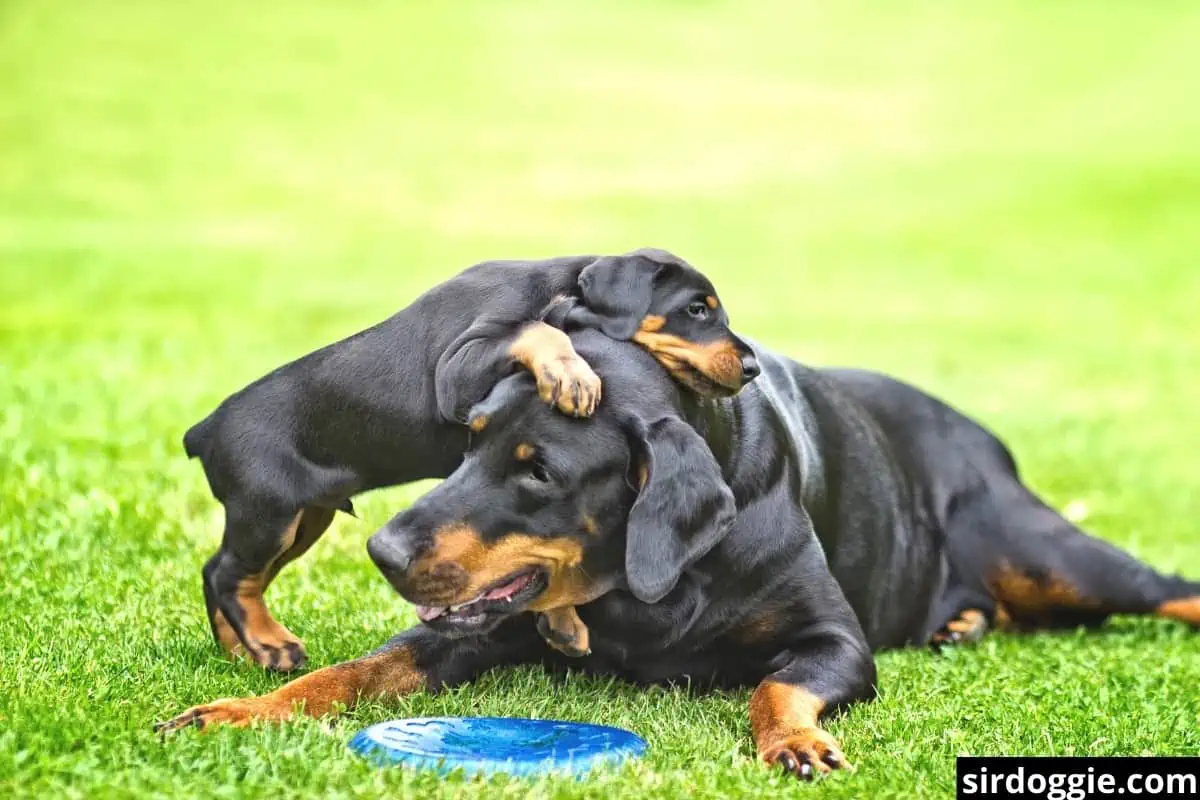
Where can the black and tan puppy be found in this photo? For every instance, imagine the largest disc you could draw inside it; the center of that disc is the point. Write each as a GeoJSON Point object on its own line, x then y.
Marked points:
{"type": "Point", "coordinates": [773, 539]}
{"type": "Point", "coordinates": [385, 406]}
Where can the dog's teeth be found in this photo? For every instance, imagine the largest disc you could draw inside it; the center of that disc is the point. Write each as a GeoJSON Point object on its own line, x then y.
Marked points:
{"type": "Point", "coordinates": [508, 599]}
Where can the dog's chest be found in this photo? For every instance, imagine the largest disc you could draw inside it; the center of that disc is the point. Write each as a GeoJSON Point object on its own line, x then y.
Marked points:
{"type": "Point", "coordinates": [666, 641]}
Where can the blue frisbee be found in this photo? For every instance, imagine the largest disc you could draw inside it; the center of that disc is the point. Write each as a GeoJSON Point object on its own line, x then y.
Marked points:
{"type": "Point", "coordinates": [487, 745]}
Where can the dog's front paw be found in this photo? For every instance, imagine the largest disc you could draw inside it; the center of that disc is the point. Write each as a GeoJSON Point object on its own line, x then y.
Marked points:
{"type": "Point", "coordinates": [235, 712]}
{"type": "Point", "coordinates": [805, 753]}
{"type": "Point", "coordinates": [569, 383]}
{"type": "Point", "coordinates": [564, 631]}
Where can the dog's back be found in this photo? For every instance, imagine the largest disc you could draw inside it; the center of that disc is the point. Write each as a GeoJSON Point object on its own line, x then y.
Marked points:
{"type": "Point", "coordinates": [352, 405]}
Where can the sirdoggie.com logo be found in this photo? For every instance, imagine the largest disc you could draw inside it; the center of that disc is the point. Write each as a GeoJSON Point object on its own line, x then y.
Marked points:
{"type": "Point", "coordinates": [1077, 778]}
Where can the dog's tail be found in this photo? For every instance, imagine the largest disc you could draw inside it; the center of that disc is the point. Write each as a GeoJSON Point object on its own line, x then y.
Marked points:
{"type": "Point", "coordinates": [195, 441]}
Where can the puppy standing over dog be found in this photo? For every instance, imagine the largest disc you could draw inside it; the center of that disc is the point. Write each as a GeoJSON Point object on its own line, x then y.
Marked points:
{"type": "Point", "coordinates": [775, 538]}
{"type": "Point", "coordinates": [381, 408]}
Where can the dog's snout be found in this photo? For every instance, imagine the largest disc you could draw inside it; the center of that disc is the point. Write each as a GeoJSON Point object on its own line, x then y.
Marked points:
{"type": "Point", "coordinates": [390, 553]}
{"type": "Point", "coordinates": [750, 367]}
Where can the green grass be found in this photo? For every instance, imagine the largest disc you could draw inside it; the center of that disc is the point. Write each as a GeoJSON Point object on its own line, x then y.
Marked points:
{"type": "Point", "coordinates": [997, 201]}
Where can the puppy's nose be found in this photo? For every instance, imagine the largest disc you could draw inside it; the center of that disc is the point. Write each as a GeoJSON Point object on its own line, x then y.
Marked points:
{"type": "Point", "coordinates": [750, 368]}
{"type": "Point", "coordinates": [390, 553]}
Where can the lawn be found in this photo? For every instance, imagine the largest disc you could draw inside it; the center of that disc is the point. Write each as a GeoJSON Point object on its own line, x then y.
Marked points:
{"type": "Point", "coordinates": [997, 202]}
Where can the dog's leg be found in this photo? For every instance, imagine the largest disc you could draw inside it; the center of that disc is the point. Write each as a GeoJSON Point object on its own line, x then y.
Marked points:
{"type": "Point", "coordinates": [786, 708]}
{"type": "Point", "coordinates": [1044, 572]}
{"type": "Point", "coordinates": [259, 539]}
{"type": "Point", "coordinates": [270, 643]}
{"type": "Point", "coordinates": [486, 352]}
{"type": "Point", "coordinates": [416, 659]}
{"type": "Point", "coordinates": [563, 378]}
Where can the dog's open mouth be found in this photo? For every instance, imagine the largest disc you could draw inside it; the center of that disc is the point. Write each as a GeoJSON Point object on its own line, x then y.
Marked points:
{"type": "Point", "coordinates": [507, 596]}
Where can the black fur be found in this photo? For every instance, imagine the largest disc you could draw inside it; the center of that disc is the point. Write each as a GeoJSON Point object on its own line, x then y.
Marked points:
{"type": "Point", "coordinates": [869, 515]}
{"type": "Point", "coordinates": [383, 406]}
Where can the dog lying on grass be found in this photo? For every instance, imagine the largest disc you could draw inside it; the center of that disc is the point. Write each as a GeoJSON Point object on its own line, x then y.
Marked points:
{"type": "Point", "coordinates": [773, 539]}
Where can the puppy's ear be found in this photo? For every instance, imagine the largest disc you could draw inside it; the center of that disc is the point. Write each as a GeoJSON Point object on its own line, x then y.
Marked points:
{"type": "Point", "coordinates": [504, 395]}
{"type": "Point", "coordinates": [617, 291]}
{"type": "Point", "coordinates": [682, 511]}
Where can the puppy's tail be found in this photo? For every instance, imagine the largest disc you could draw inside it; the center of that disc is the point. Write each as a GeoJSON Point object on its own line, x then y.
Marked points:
{"type": "Point", "coordinates": [195, 441]}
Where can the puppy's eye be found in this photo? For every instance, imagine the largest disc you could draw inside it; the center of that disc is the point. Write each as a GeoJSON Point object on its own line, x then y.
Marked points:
{"type": "Point", "coordinates": [539, 473]}
{"type": "Point", "coordinates": [697, 310]}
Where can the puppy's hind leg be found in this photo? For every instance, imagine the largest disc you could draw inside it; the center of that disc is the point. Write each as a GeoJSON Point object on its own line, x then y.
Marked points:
{"type": "Point", "coordinates": [258, 542]}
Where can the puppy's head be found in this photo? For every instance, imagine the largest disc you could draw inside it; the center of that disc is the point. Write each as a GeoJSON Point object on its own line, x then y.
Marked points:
{"type": "Point", "coordinates": [672, 310]}
{"type": "Point", "coordinates": [547, 511]}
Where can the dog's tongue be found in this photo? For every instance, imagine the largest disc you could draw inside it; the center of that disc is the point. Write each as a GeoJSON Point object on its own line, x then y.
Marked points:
{"type": "Point", "coordinates": [509, 589]}
{"type": "Point", "coordinates": [429, 613]}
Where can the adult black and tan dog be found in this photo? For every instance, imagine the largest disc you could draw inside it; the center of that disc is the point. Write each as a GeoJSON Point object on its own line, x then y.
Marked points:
{"type": "Point", "coordinates": [385, 406]}
{"type": "Point", "coordinates": [771, 539]}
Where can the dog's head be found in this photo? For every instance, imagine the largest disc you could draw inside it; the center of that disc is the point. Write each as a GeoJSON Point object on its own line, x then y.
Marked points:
{"type": "Point", "coordinates": [672, 310]}
{"type": "Point", "coordinates": [547, 511]}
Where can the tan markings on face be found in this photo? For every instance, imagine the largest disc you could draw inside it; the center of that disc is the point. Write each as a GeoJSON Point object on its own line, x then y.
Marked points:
{"type": "Point", "coordinates": [524, 452]}
{"type": "Point", "coordinates": [460, 565]}
{"type": "Point", "coordinates": [568, 587]}
{"type": "Point", "coordinates": [718, 361]}
{"type": "Point", "coordinates": [712, 302]}
{"type": "Point", "coordinates": [1029, 599]}
{"type": "Point", "coordinates": [589, 525]}
{"type": "Point", "coordinates": [479, 423]}
{"type": "Point", "coordinates": [653, 322]}
{"type": "Point", "coordinates": [1185, 610]}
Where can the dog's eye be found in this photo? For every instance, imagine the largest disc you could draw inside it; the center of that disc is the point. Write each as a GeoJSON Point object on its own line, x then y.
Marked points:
{"type": "Point", "coordinates": [539, 473]}
{"type": "Point", "coordinates": [697, 310]}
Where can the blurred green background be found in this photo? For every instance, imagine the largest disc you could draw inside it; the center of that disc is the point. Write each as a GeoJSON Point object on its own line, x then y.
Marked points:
{"type": "Point", "coordinates": [997, 201]}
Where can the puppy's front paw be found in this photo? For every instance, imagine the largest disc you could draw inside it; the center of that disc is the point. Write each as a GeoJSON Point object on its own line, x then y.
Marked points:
{"type": "Point", "coordinates": [805, 753]}
{"type": "Point", "coordinates": [235, 712]}
{"type": "Point", "coordinates": [569, 383]}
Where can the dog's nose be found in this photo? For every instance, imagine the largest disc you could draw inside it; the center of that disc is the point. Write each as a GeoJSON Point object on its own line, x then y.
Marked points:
{"type": "Point", "coordinates": [750, 368]}
{"type": "Point", "coordinates": [390, 553]}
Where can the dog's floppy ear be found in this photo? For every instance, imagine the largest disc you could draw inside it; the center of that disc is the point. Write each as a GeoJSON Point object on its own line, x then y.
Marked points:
{"type": "Point", "coordinates": [682, 511]}
{"type": "Point", "coordinates": [504, 395]}
{"type": "Point", "coordinates": [617, 291]}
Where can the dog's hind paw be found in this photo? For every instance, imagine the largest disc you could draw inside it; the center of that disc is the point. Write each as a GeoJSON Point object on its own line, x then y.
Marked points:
{"type": "Point", "coordinates": [968, 627]}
